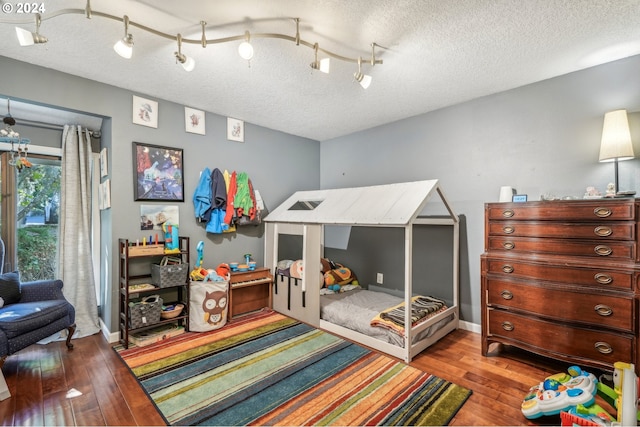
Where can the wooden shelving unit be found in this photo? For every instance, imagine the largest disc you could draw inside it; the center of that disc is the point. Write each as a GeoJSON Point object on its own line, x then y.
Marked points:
{"type": "Point", "coordinates": [135, 268]}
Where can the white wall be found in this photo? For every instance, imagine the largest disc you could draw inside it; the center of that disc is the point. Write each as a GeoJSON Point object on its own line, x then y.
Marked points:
{"type": "Point", "coordinates": [541, 138]}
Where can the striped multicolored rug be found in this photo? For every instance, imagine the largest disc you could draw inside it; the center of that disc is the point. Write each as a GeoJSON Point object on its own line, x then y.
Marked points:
{"type": "Point", "coordinates": [268, 369]}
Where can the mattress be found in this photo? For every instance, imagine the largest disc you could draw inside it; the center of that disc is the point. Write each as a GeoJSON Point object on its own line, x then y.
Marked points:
{"type": "Point", "coordinates": [356, 308]}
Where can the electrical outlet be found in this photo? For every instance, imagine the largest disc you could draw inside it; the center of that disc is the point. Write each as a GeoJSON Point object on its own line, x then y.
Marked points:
{"type": "Point", "coordinates": [379, 278]}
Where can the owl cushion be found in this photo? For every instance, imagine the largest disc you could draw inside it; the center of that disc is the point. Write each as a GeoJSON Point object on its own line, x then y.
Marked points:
{"type": "Point", "coordinates": [9, 288]}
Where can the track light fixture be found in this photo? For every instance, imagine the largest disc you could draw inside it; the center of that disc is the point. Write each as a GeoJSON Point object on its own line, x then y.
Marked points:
{"type": "Point", "coordinates": [27, 38]}
{"type": "Point", "coordinates": [363, 79]}
{"type": "Point", "coordinates": [187, 62]}
{"type": "Point", "coordinates": [324, 65]}
{"type": "Point", "coordinates": [245, 50]}
{"type": "Point", "coordinates": [124, 46]}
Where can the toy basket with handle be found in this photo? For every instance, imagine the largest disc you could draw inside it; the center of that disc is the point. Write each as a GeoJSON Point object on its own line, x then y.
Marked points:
{"type": "Point", "coordinates": [145, 312]}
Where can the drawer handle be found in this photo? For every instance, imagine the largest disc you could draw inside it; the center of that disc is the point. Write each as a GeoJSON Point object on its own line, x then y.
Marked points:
{"type": "Point", "coordinates": [508, 245]}
{"type": "Point", "coordinates": [603, 250]}
{"type": "Point", "coordinates": [507, 268]}
{"type": "Point", "coordinates": [602, 212]}
{"type": "Point", "coordinates": [603, 347]}
{"type": "Point", "coordinates": [603, 310]}
{"type": "Point", "coordinates": [507, 326]}
{"type": "Point", "coordinates": [602, 231]}
{"type": "Point", "coordinates": [507, 229]}
{"type": "Point", "coordinates": [603, 279]}
{"type": "Point", "coordinates": [508, 213]}
{"type": "Point", "coordinates": [506, 294]}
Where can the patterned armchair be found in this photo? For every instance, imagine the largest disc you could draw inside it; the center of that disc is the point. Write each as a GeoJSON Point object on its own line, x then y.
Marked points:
{"type": "Point", "coordinates": [31, 311]}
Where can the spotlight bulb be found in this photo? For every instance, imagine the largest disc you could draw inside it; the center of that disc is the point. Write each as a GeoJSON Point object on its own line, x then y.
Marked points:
{"type": "Point", "coordinates": [245, 50]}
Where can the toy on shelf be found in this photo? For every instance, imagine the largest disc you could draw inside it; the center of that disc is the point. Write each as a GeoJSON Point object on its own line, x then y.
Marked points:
{"type": "Point", "coordinates": [248, 265]}
{"type": "Point", "coordinates": [560, 392]}
{"type": "Point", "coordinates": [171, 240]}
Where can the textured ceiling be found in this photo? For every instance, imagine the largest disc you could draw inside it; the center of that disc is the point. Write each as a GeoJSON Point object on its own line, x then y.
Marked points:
{"type": "Point", "coordinates": [438, 53]}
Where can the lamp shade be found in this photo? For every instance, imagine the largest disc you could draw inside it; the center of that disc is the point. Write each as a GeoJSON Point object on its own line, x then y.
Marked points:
{"type": "Point", "coordinates": [616, 139]}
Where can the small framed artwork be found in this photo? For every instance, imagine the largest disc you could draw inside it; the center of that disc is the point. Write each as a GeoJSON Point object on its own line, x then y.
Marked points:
{"type": "Point", "coordinates": [157, 173]}
{"type": "Point", "coordinates": [152, 217]}
{"type": "Point", "coordinates": [194, 121]}
{"type": "Point", "coordinates": [104, 168]}
{"type": "Point", "coordinates": [145, 112]}
{"type": "Point", "coordinates": [235, 130]}
{"type": "Point", "coordinates": [104, 195]}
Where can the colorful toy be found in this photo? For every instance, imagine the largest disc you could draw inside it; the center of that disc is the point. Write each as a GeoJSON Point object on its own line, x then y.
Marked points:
{"type": "Point", "coordinates": [198, 273]}
{"type": "Point", "coordinates": [560, 392]}
{"type": "Point", "coordinates": [171, 240]}
{"type": "Point", "coordinates": [624, 394]}
{"type": "Point", "coordinates": [581, 415]}
{"type": "Point", "coordinates": [223, 270]}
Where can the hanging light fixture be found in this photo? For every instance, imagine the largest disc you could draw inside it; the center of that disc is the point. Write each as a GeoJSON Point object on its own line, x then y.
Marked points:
{"type": "Point", "coordinates": [124, 46]}
{"type": "Point", "coordinates": [9, 122]}
{"type": "Point", "coordinates": [323, 65]}
{"type": "Point", "coordinates": [363, 79]}
{"type": "Point", "coordinates": [27, 38]}
{"type": "Point", "coordinates": [187, 62]}
{"type": "Point", "coordinates": [19, 158]}
{"type": "Point", "coordinates": [245, 50]}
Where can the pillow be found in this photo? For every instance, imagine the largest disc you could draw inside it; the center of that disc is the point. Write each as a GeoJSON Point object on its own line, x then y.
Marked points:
{"type": "Point", "coordinates": [9, 288]}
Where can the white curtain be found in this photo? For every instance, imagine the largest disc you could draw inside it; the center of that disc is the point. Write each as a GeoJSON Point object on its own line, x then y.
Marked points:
{"type": "Point", "coordinates": [75, 259]}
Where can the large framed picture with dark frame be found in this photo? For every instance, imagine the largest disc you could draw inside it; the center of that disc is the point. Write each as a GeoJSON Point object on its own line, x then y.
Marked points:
{"type": "Point", "coordinates": [158, 173]}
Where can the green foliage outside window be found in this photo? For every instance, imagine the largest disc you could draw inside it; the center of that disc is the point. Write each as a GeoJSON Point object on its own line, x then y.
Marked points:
{"type": "Point", "coordinates": [37, 252]}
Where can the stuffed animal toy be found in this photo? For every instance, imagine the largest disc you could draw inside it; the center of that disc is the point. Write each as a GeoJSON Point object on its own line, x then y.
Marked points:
{"type": "Point", "coordinates": [336, 274]}
{"type": "Point", "coordinates": [223, 270]}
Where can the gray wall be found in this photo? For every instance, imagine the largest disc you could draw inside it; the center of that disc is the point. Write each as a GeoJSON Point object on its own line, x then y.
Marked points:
{"type": "Point", "coordinates": [541, 138]}
{"type": "Point", "coordinates": [261, 156]}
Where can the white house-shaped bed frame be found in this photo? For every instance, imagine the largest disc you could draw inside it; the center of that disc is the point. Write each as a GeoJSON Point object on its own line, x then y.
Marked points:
{"type": "Point", "coordinates": [306, 213]}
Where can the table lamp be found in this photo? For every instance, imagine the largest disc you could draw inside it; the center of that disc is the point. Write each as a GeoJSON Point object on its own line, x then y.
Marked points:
{"type": "Point", "coordinates": [616, 141]}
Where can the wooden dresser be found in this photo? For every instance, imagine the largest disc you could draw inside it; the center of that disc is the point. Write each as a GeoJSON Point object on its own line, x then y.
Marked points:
{"type": "Point", "coordinates": [560, 278]}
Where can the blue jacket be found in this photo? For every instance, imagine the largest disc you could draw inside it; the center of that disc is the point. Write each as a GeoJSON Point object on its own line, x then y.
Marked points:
{"type": "Point", "coordinates": [202, 197]}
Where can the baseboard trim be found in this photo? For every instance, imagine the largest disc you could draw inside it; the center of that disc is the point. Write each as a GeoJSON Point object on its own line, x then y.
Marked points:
{"type": "Point", "coordinates": [468, 326]}
{"type": "Point", "coordinates": [111, 337]}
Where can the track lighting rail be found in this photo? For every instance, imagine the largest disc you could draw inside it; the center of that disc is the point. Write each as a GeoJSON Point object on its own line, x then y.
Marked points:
{"type": "Point", "coordinates": [89, 13]}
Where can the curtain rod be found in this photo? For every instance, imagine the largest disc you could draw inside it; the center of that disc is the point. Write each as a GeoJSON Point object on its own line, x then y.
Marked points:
{"type": "Point", "coordinates": [51, 126]}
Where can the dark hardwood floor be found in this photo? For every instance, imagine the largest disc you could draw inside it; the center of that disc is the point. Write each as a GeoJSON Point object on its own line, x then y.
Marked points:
{"type": "Point", "coordinates": [39, 378]}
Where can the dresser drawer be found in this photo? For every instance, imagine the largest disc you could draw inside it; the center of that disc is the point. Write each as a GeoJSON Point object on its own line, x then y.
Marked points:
{"type": "Point", "coordinates": [589, 276]}
{"type": "Point", "coordinates": [621, 230]}
{"type": "Point", "coordinates": [593, 248]}
{"type": "Point", "coordinates": [569, 305]}
{"type": "Point", "coordinates": [548, 337]}
{"type": "Point", "coordinates": [575, 210]}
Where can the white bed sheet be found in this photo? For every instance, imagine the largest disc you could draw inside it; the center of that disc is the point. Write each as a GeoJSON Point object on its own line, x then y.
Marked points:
{"type": "Point", "coordinates": [355, 309]}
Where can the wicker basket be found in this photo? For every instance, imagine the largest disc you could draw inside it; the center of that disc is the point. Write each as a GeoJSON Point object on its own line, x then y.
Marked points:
{"type": "Point", "coordinates": [146, 312]}
{"type": "Point", "coordinates": [166, 276]}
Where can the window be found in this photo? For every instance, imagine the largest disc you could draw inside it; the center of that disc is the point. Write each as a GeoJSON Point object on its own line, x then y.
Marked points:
{"type": "Point", "coordinates": [29, 216]}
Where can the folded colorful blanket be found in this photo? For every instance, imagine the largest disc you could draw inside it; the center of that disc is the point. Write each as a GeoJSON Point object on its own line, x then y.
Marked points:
{"type": "Point", "coordinates": [422, 307]}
